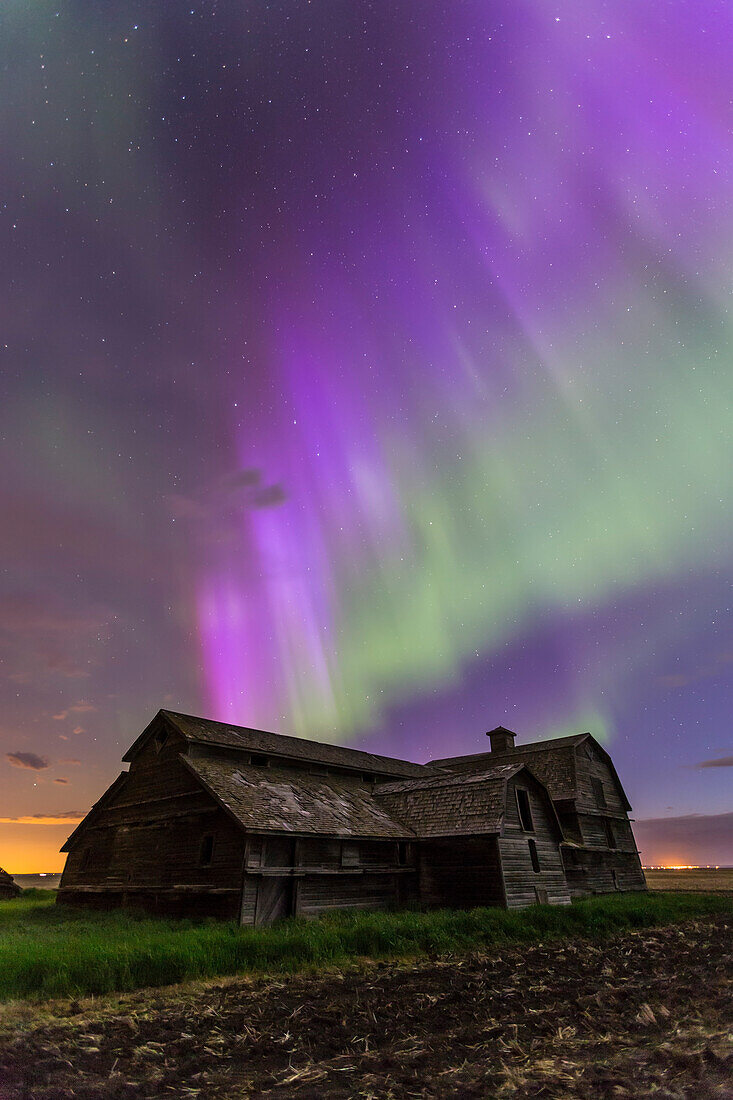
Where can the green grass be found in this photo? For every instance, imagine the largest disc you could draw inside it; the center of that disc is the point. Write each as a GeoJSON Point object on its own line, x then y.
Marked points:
{"type": "Point", "coordinates": [52, 951]}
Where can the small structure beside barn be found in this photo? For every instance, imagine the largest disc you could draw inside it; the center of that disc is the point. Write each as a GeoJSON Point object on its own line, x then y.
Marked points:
{"type": "Point", "coordinates": [8, 887]}
{"type": "Point", "coordinates": [222, 820]}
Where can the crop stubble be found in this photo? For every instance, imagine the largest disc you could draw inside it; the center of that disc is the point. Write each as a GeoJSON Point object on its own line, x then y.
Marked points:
{"type": "Point", "coordinates": [645, 1013]}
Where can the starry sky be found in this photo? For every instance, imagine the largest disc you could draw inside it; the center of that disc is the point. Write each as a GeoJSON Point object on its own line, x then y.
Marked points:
{"type": "Point", "coordinates": [366, 373]}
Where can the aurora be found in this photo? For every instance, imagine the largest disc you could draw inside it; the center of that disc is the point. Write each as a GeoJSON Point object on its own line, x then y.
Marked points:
{"type": "Point", "coordinates": [369, 377]}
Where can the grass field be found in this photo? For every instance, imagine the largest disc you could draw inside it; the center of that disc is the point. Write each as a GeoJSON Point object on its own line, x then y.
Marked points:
{"type": "Point", "coordinates": [697, 879]}
{"type": "Point", "coordinates": [51, 951]}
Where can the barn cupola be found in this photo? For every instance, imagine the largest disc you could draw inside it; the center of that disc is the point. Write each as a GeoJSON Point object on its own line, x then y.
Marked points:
{"type": "Point", "coordinates": [502, 740]}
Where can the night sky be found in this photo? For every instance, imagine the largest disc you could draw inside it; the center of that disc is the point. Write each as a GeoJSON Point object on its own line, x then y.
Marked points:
{"type": "Point", "coordinates": [366, 373]}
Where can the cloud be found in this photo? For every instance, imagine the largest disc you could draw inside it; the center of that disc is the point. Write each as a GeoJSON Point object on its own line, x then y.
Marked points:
{"type": "Point", "coordinates": [27, 760]}
{"type": "Point", "coordinates": [77, 708]}
{"type": "Point", "coordinates": [70, 760]}
{"type": "Point", "coordinates": [78, 729]}
{"type": "Point", "coordinates": [68, 817]}
{"type": "Point", "coordinates": [61, 780]}
{"type": "Point", "coordinates": [721, 762]}
{"type": "Point", "coordinates": [689, 839]}
{"type": "Point", "coordinates": [227, 497]}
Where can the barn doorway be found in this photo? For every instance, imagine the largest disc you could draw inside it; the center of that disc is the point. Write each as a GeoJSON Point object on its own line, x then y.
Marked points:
{"type": "Point", "coordinates": [275, 898]}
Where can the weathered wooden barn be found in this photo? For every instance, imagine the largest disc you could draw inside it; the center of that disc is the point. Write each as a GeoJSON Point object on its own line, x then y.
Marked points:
{"type": "Point", "coordinates": [252, 826]}
{"type": "Point", "coordinates": [8, 887]}
{"type": "Point", "coordinates": [599, 851]}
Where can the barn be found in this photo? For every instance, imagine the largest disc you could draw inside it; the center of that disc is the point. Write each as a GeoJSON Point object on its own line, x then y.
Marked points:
{"type": "Point", "coordinates": [8, 888]}
{"type": "Point", "coordinates": [252, 826]}
{"type": "Point", "coordinates": [599, 851]}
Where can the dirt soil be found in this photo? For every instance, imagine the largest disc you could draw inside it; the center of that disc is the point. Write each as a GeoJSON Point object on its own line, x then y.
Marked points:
{"type": "Point", "coordinates": [647, 1013]}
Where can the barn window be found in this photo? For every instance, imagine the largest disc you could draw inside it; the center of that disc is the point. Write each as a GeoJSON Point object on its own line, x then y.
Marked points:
{"type": "Point", "coordinates": [403, 852]}
{"type": "Point", "coordinates": [598, 793]}
{"type": "Point", "coordinates": [525, 811]}
{"type": "Point", "coordinates": [160, 739]}
{"type": "Point", "coordinates": [259, 760]}
{"type": "Point", "coordinates": [534, 856]}
{"type": "Point", "coordinates": [254, 852]}
{"type": "Point", "coordinates": [349, 855]}
{"type": "Point", "coordinates": [369, 777]}
{"type": "Point", "coordinates": [86, 855]}
{"type": "Point", "coordinates": [206, 851]}
{"type": "Point", "coordinates": [610, 834]}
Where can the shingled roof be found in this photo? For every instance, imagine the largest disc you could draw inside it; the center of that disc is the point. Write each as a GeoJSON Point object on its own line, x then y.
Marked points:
{"type": "Point", "coordinates": [279, 800]}
{"type": "Point", "coordinates": [450, 805]}
{"type": "Point", "coordinates": [206, 731]}
{"type": "Point", "coordinates": [552, 761]}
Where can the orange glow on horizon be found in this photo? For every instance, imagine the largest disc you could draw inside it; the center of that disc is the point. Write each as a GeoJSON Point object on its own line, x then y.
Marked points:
{"type": "Point", "coordinates": [28, 850]}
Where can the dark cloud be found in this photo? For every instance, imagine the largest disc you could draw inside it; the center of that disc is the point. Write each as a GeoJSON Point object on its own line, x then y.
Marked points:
{"type": "Point", "coordinates": [690, 839]}
{"type": "Point", "coordinates": [238, 490]}
{"type": "Point", "coordinates": [269, 497]}
{"type": "Point", "coordinates": [721, 762]}
{"type": "Point", "coordinates": [27, 760]}
{"type": "Point", "coordinates": [64, 818]}
{"type": "Point", "coordinates": [61, 780]}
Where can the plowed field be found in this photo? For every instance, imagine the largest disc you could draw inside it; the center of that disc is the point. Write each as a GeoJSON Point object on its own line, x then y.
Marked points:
{"type": "Point", "coordinates": [645, 1013]}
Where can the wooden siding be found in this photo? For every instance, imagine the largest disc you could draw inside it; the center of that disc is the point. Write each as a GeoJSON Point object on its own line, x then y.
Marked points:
{"type": "Point", "coordinates": [589, 765]}
{"type": "Point", "coordinates": [320, 894]}
{"type": "Point", "coordinates": [460, 873]}
{"type": "Point", "coordinates": [522, 884]}
{"type": "Point", "coordinates": [144, 847]}
{"type": "Point", "coordinates": [598, 872]}
{"type": "Point", "coordinates": [306, 876]}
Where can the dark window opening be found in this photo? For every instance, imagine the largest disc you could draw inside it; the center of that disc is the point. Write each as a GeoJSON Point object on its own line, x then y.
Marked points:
{"type": "Point", "coordinates": [259, 760]}
{"type": "Point", "coordinates": [86, 855]}
{"type": "Point", "coordinates": [534, 856]}
{"type": "Point", "coordinates": [254, 852]}
{"type": "Point", "coordinates": [207, 851]}
{"type": "Point", "coordinates": [403, 852]}
{"type": "Point", "coordinates": [368, 777]}
{"type": "Point", "coordinates": [349, 855]}
{"type": "Point", "coordinates": [610, 834]}
{"type": "Point", "coordinates": [160, 739]}
{"type": "Point", "coordinates": [598, 793]}
{"type": "Point", "coordinates": [525, 812]}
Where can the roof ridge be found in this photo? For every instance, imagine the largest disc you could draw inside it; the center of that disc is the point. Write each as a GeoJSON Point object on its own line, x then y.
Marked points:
{"type": "Point", "coordinates": [529, 746]}
{"type": "Point", "coordinates": [359, 759]}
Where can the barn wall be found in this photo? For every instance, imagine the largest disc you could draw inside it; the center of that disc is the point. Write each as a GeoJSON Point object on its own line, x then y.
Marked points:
{"type": "Point", "coordinates": [144, 847]}
{"type": "Point", "coordinates": [589, 765]}
{"type": "Point", "coordinates": [311, 875]}
{"type": "Point", "coordinates": [522, 884]}
{"type": "Point", "coordinates": [598, 872]}
{"type": "Point", "coordinates": [460, 873]}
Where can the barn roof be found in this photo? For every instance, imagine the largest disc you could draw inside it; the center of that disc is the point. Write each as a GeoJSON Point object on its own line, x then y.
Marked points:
{"type": "Point", "coordinates": [206, 731]}
{"type": "Point", "coordinates": [282, 801]}
{"type": "Point", "coordinates": [451, 805]}
{"type": "Point", "coordinates": [552, 760]}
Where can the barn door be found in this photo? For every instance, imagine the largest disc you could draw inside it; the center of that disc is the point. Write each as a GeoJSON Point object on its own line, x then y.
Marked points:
{"type": "Point", "coordinates": [274, 899]}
